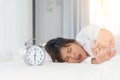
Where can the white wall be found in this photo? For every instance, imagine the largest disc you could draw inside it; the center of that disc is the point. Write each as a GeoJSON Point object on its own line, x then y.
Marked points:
{"type": "Point", "coordinates": [15, 25]}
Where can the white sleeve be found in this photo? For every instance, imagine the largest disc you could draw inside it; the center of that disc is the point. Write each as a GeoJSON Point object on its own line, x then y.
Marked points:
{"type": "Point", "coordinates": [86, 37]}
{"type": "Point", "coordinates": [88, 60]}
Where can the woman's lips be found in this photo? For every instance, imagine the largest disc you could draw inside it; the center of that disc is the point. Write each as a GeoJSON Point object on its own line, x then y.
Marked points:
{"type": "Point", "coordinates": [79, 57]}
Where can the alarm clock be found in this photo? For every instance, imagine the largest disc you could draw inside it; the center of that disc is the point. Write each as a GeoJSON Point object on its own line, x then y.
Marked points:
{"type": "Point", "coordinates": [34, 54]}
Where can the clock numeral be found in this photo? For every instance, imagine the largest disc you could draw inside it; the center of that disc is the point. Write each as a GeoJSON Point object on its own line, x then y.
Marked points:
{"type": "Point", "coordinates": [29, 52]}
{"type": "Point", "coordinates": [27, 55]}
{"type": "Point", "coordinates": [28, 59]}
{"type": "Point", "coordinates": [35, 49]}
{"type": "Point", "coordinates": [41, 59]}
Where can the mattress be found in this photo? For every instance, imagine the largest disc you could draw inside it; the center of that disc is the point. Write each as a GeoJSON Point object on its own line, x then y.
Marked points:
{"type": "Point", "coordinates": [18, 70]}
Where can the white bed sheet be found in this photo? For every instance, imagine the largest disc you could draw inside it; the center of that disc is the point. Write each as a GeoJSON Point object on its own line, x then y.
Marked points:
{"type": "Point", "coordinates": [18, 70]}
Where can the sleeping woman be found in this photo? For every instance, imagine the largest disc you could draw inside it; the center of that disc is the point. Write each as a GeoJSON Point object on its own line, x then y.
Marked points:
{"type": "Point", "coordinates": [93, 45]}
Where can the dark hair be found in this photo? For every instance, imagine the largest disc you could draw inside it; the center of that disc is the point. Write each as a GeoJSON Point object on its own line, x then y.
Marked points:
{"type": "Point", "coordinates": [53, 47]}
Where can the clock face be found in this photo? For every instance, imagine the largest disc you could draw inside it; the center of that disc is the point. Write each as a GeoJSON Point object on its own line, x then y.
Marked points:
{"type": "Point", "coordinates": [34, 55]}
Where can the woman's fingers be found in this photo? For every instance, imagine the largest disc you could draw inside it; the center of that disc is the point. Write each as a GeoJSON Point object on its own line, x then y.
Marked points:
{"type": "Point", "coordinates": [96, 45]}
{"type": "Point", "coordinates": [109, 43]}
{"type": "Point", "coordinates": [112, 42]}
{"type": "Point", "coordinates": [108, 50]}
{"type": "Point", "coordinates": [112, 54]}
{"type": "Point", "coordinates": [94, 52]}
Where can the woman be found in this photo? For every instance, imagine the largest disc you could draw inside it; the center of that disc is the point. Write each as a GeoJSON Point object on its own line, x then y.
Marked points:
{"type": "Point", "coordinates": [92, 45]}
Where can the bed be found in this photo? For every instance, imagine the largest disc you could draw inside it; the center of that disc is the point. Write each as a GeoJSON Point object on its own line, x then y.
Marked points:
{"type": "Point", "coordinates": [18, 70]}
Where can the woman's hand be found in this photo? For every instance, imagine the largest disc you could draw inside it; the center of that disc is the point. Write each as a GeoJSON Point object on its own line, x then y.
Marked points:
{"type": "Point", "coordinates": [106, 38]}
{"type": "Point", "coordinates": [101, 53]}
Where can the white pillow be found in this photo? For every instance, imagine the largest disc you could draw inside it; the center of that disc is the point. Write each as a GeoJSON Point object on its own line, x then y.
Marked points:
{"type": "Point", "coordinates": [6, 55]}
{"type": "Point", "coordinates": [47, 56]}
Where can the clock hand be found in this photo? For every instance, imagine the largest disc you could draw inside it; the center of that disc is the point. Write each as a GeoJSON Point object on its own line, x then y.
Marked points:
{"type": "Point", "coordinates": [35, 57]}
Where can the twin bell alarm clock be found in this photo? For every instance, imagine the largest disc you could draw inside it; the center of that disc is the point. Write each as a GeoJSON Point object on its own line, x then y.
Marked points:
{"type": "Point", "coordinates": [34, 53]}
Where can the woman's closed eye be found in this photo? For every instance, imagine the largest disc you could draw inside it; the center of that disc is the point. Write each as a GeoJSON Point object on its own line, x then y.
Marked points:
{"type": "Point", "coordinates": [69, 49]}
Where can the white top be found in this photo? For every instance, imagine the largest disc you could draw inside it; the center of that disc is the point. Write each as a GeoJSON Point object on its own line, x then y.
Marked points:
{"type": "Point", "coordinates": [86, 37]}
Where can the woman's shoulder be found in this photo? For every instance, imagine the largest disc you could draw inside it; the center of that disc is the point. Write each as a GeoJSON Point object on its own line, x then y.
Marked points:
{"type": "Point", "coordinates": [89, 30]}
{"type": "Point", "coordinates": [91, 27]}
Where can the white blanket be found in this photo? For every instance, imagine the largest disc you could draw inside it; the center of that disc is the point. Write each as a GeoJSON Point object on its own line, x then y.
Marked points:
{"type": "Point", "coordinates": [18, 70]}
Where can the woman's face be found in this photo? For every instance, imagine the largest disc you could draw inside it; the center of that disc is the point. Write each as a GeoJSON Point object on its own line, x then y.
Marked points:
{"type": "Point", "coordinates": [73, 53]}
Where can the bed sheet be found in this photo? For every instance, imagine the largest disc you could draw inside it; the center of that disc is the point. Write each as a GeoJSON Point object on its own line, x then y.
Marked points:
{"type": "Point", "coordinates": [18, 70]}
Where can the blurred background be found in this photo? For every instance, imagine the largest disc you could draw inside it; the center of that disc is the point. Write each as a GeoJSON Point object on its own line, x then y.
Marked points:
{"type": "Point", "coordinates": [21, 20]}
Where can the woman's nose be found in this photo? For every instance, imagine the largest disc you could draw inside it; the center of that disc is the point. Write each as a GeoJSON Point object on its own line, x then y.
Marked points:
{"type": "Point", "coordinates": [72, 56]}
